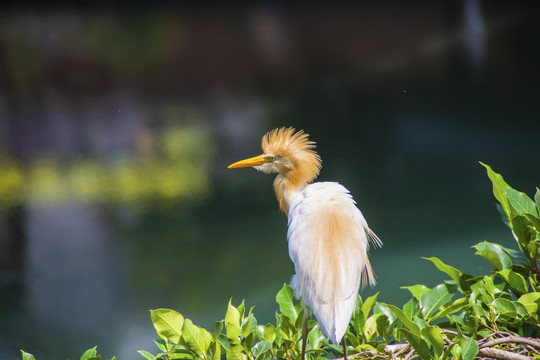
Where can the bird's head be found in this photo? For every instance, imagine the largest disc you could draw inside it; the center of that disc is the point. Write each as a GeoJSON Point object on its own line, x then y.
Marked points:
{"type": "Point", "coordinates": [288, 153]}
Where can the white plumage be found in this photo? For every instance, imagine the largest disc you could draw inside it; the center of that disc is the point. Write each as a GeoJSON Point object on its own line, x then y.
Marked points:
{"type": "Point", "coordinates": [329, 261]}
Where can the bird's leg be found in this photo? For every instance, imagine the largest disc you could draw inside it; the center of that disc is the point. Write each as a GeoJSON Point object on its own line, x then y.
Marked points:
{"type": "Point", "coordinates": [304, 333]}
{"type": "Point", "coordinates": [344, 348]}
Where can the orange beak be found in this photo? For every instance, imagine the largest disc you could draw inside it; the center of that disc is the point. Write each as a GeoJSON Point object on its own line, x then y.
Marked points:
{"type": "Point", "coordinates": [254, 161]}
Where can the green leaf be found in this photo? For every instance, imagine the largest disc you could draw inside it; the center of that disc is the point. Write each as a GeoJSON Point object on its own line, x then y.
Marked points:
{"type": "Point", "coordinates": [489, 285]}
{"type": "Point", "coordinates": [352, 339]}
{"type": "Point", "coordinates": [534, 222]}
{"type": "Point", "coordinates": [269, 332]}
{"type": "Point", "coordinates": [404, 319]}
{"type": "Point", "coordinates": [370, 326]}
{"type": "Point", "coordinates": [260, 348]}
{"type": "Point", "coordinates": [448, 351]}
{"type": "Point", "coordinates": [433, 300]}
{"type": "Point", "coordinates": [469, 349]}
{"type": "Point", "coordinates": [532, 248]}
{"type": "Point", "coordinates": [521, 309]}
{"type": "Point", "coordinates": [433, 334]}
{"type": "Point", "coordinates": [358, 320]}
{"type": "Point", "coordinates": [180, 352]}
{"type": "Point", "coordinates": [479, 292]}
{"type": "Point", "coordinates": [247, 342]}
{"type": "Point", "coordinates": [242, 309]}
{"type": "Point", "coordinates": [495, 254]}
{"type": "Point", "coordinates": [218, 329]}
{"type": "Point", "coordinates": [162, 344]}
{"type": "Point", "coordinates": [299, 324]}
{"type": "Point", "coordinates": [249, 324]}
{"type": "Point", "coordinates": [285, 300]}
{"type": "Point", "coordinates": [531, 301]}
{"type": "Point", "coordinates": [27, 356]}
{"type": "Point", "coordinates": [382, 324]}
{"type": "Point", "coordinates": [454, 307]}
{"type": "Point", "coordinates": [454, 273]}
{"type": "Point", "coordinates": [504, 307]}
{"type": "Point", "coordinates": [90, 353]}
{"type": "Point", "coordinates": [499, 188]}
{"type": "Point", "coordinates": [315, 338]}
{"type": "Point", "coordinates": [537, 199]}
{"type": "Point", "coordinates": [456, 351]}
{"type": "Point", "coordinates": [196, 338]}
{"type": "Point", "coordinates": [410, 307]}
{"type": "Point", "coordinates": [522, 231]}
{"type": "Point", "coordinates": [502, 213]}
{"type": "Point", "coordinates": [219, 336]}
{"type": "Point", "coordinates": [520, 202]}
{"type": "Point", "coordinates": [420, 322]}
{"type": "Point", "coordinates": [418, 344]}
{"type": "Point", "coordinates": [232, 322]}
{"type": "Point", "coordinates": [168, 324]}
{"type": "Point", "coordinates": [479, 311]}
{"type": "Point", "coordinates": [382, 308]}
{"type": "Point", "coordinates": [215, 349]}
{"type": "Point", "coordinates": [285, 329]}
{"type": "Point", "coordinates": [146, 355]}
{"type": "Point", "coordinates": [223, 341]}
{"type": "Point", "coordinates": [416, 290]}
{"type": "Point", "coordinates": [368, 304]}
{"type": "Point", "coordinates": [514, 280]}
{"type": "Point", "coordinates": [234, 352]}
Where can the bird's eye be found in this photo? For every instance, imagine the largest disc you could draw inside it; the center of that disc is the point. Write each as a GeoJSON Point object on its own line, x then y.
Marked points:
{"type": "Point", "coordinates": [270, 158]}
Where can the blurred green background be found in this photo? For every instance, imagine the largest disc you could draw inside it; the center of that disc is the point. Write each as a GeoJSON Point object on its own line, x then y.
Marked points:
{"type": "Point", "coordinates": [117, 125]}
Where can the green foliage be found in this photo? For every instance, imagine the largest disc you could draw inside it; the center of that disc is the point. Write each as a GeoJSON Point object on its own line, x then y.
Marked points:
{"type": "Point", "coordinates": [168, 324]}
{"type": "Point", "coordinates": [454, 319]}
{"type": "Point", "coordinates": [27, 356]}
{"type": "Point", "coordinates": [522, 216]}
{"type": "Point", "coordinates": [459, 311]}
{"type": "Point", "coordinates": [238, 335]}
{"type": "Point", "coordinates": [90, 354]}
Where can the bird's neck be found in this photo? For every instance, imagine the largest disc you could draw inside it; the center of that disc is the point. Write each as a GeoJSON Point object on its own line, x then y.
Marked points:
{"type": "Point", "coordinates": [286, 187]}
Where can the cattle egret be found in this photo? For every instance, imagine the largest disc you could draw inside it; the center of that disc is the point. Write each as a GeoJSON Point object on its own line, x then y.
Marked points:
{"type": "Point", "coordinates": [327, 234]}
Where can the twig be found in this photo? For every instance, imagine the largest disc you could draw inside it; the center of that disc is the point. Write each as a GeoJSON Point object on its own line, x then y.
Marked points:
{"type": "Point", "coordinates": [348, 356]}
{"type": "Point", "coordinates": [514, 339]}
{"type": "Point", "coordinates": [528, 349]}
{"type": "Point", "coordinates": [511, 339]}
{"type": "Point", "coordinates": [369, 353]}
{"type": "Point", "coordinates": [446, 331]}
{"type": "Point", "coordinates": [485, 338]}
{"type": "Point", "coordinates": [503, 354]}
{"type": "Point", "coordinates": [396, 349]}
{"type": "Point", "coordinates": [486, 350]}
{"type": "Point", "coordinates": [447, 341]}
{"type": "Point", "coordinates": [409, 354]}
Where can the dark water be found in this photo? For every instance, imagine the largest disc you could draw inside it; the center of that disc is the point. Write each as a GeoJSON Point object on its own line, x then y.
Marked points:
{"type": "Point", "coordinates": [116, 129]}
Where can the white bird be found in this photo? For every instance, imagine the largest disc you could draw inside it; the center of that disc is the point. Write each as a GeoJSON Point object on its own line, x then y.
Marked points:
{"type": "Point", "coordinates": [327, 234]}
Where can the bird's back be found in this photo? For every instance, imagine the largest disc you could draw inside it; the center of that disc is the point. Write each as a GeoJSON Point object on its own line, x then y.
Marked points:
{"type": "Point", "coordinates": [328, 241]}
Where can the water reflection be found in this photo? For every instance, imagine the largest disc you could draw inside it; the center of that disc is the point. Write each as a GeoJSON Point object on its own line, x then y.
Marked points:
{"type": "Point", "coordinates": [116, 129]}
{"type": "Point", "coordinates": [475, 32]}
{"type": "Point", "coordinates": [76, 275]}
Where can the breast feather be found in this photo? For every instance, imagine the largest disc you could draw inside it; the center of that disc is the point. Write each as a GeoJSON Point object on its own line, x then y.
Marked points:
{"type": "Point", "coordinates": [327, 241]}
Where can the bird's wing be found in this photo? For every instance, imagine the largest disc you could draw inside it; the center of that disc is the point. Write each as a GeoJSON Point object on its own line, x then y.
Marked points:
{"type": "Point", "coordinates": [328, 244]}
